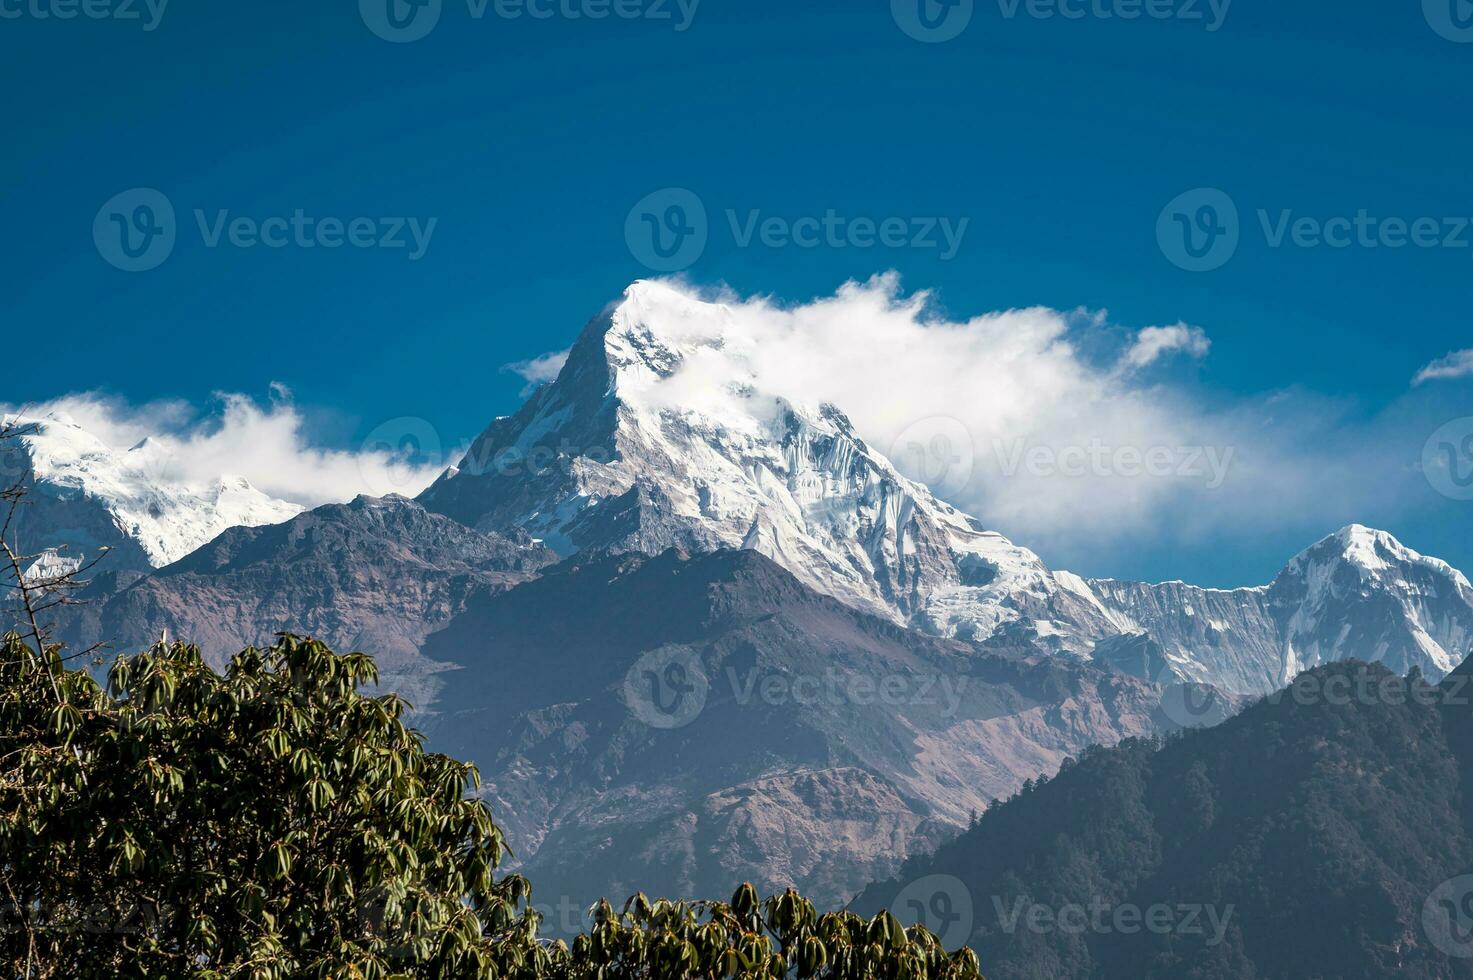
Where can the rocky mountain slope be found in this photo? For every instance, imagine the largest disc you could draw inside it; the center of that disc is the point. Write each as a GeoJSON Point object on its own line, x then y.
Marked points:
{"type": "Point", "coordinates": [681, 723]}
{"type": "Point", "coordinates": [85, 496]}
{"type": "Point", "coordinates": [1324, 833]}
{"type": "Point", "coordinates": [377, 574]}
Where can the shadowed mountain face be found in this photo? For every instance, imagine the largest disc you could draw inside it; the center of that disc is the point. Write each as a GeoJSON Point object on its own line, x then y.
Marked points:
{"type": "Point", "coordinates": [679, 724]}
{"type": "Point", "coordinates": [1323, 832]}
{"type": "Point", "coordinates": [377, 574]}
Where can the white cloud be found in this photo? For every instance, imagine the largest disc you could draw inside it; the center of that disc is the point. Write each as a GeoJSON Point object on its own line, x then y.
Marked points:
{"type": "Point", "coordinates": [1057, 425]}
{"type": "Point", "coordinates": [540, 370]}
{"type": "Point", "coordinates": [268, 445]}
{"type": "Point", "coordinates": [1458, 364]}
{"type": "Point", "coordinates": [1154, 342]}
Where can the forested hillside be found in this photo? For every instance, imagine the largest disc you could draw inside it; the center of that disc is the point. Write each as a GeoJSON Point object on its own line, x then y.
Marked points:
{"type": "Point", "coordinates": [1321, 833]}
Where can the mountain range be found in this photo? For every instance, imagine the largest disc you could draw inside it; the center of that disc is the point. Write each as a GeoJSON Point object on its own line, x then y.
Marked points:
{"type": "Point", "coordinates": [653, 525]}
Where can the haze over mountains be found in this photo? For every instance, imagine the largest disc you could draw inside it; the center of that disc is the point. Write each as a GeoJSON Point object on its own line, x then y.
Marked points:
{"type": "Point", "coordinates": [654, 530]}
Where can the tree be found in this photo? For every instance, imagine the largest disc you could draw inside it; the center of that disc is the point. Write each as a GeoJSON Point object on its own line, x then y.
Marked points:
{"type": "Point", "coordinates": [270, 821]}
{"type": "Point", "coordinates": [780, 937]}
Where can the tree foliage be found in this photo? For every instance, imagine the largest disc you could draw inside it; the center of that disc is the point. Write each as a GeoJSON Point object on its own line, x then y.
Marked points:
{"type": "Point", "coordinates": [274, 821]}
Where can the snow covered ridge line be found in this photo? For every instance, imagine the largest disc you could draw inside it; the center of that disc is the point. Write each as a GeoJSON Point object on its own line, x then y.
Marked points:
{"type": "Point", "coordinates": [85, 496]}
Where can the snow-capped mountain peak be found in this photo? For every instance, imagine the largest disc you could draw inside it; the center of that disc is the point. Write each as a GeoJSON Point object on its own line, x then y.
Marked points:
{"type": "Point", "coordinates": [86, 495]}
{"type": "Point", "coordinates": [1373, 552]}
{"type": "Point", "coordinates": [1358, 593]}
{"type": "Point", "coordinates": [657, 432]}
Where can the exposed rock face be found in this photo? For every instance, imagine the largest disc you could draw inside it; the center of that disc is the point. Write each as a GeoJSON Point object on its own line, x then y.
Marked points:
{"type": "Point", "coordinates": [377, 574]}
{"type": "Point", "coordinates": [680, 724]}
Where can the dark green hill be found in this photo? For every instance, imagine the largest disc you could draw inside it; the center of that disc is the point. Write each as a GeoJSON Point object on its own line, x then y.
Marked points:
{"type": "Point", "coordinates": [1314, 835]}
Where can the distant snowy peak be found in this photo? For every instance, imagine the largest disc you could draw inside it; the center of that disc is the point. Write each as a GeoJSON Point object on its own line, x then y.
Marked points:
{"type": "Point", "coordinates": [1358, 593]}
{"type": "Point", "coordinates": [1374, 554]}
{"type": "Point", "coordinates": [86, 495]}
{"type": "Point", "coordinates": [1362, 593]}
{"type": "Point", "coordinates": [656, 433]}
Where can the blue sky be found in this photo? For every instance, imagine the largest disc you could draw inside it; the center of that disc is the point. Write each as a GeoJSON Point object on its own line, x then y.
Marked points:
{"type": "Point", "coordinates": [528, 140]}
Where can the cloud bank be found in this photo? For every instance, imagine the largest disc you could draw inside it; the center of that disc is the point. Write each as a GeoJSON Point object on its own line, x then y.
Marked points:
{"type": "Point", "coordinates": [539, 370]}
{"type": "Point", "coordinates": [1071, 434]}
{"type": "Point", "coordinates": [1458, 364]}
{"type": "Point", "coordinates": [1045, 426]}
{"type": "Point", "coordinates": [170, 440]}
